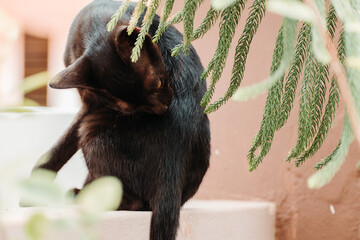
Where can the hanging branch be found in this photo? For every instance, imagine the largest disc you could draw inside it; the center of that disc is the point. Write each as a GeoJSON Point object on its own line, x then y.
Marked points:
{"type": "Point", "coordinates": [319, 75]}
{"type": "Point", "coordinates": [229, 20]}
{"type": "Point", "coordinates": [163, 19]}
{"type": "Point", "coordinates": [289, 29]}
{"type": "Point", "coordinates": [301, 51]}
{"type": "Point", "coordinates": [304, 124]}
{"type": "Point", "coordinates": [119, 13]}
{"type": "Point", "coordinates": [189, 14]}
{"type": "Point", "coordinates": [256, 14]}
{"type": "Point", "coordinates": [333, 99]}
{"type": "Point", "coordinates": [265, 134]}
{"type": "Point", "coordinates": [331, 165]}
{"type": "Point", "coordinates": [211, 16]}
{"type": "Point", "coordinates": [148, 19]}
{"type": "Point", "coordinates": [341, 77]}
{"type": "Point", "coordinates": [139, 9]}
{"type": "Point", "coordinates": [281, 59]}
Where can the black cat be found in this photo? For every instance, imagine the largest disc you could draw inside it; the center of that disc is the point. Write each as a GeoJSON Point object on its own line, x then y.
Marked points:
{"type": "Point", "coordinates": [141, 122]}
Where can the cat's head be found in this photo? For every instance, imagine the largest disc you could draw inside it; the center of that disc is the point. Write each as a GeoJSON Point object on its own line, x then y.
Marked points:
{"type": "Point", "coordinates": [105, 70]}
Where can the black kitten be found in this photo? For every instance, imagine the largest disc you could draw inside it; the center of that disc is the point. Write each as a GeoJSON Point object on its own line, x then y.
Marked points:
{"type": "Point", "coordinates": [141, 122]}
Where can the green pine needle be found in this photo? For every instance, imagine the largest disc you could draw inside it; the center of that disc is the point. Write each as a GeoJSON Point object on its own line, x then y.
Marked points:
{"type": "Point", "coordinates": [116, 17]}
{"type": "Point", "coordinates": [148, 19]}
{"type": "Point", "coordinates": [331, 164]}
{"type": "Point", "coordinates": [332, 104]}
{"type": "Point", "coordinates": [163, 19]}
{"type": "Point", "coordinates": [266, 132]}
{"type": "Point", "coordinates": [304, 124]}
{"type": "Point", "coordinates": [317, 134]}
{"type": "Point", "coordinates": [257, 12]}
{"type": "Point", "coordinates": [319, 75]}
{"type": "Point", "coordinates": [229, 20]}
{"type": "Point", "coordinates": [292, 79]}
{"type": "Point", "coordinates": [190, 7]}
{"type": "Point", "coordinates": [209, 20]}
{"type": "Point", "coordinates": [326, 122]}
{"type": "Point", "coordinates": [177, 18]}
{"type": "Point", "coordinates": [289, 28]}
{"type": "Point", "coordinates": [139, 9]}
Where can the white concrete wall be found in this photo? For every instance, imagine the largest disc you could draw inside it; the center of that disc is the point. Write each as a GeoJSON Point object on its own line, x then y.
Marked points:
{"type": "Point", "coordinates": [24, 138]}
{"type": "Point", "coordinates": [200, 220]}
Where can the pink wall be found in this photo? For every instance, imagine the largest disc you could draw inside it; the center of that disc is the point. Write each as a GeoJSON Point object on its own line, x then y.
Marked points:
{"type": "Point", "coordinates": [302, 214]}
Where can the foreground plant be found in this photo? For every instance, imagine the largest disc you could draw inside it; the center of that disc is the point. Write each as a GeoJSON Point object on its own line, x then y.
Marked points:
{"type": "Point", "coordinates": [313, 59]}
{"type": "Point", "coordinates": [81, 212]}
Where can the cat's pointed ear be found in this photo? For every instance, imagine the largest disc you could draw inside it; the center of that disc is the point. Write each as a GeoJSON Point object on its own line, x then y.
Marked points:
{"type": "Point", "coordinates": [125, 43]}
{"type": "Point", "coordinates": [74, 76]}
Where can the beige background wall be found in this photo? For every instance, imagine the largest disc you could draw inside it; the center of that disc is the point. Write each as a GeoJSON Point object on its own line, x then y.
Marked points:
{"type": "Point", "coordinates": [302, 214]}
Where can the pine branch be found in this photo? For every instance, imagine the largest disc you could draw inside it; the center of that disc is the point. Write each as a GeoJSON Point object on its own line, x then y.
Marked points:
{"type": "Point", "coordinates": [148, 19]}
{"type": "Point", "coordinates": [189, 14]}
{"type": "Point", "coordinates": [229, 20]}
{"type": "Point", "coordinates": [139, 9]}
{"type": "Point", "coordinates": [349, 86]}
{"type": "Point", "coordinates": [333, 100]}
{"type": "Point", "coordinates": [177, 18]}
{"type": "Point", "coordinates": [326, 122]}
{"type": "Point", "coordinates": [256, 14]}
{"type": "Point", "coordinates": [329, 115]}
{"type": "Point", "coordinates": [116, 17]}
{"type": "Point", "coordinates": [341, 47]}
{"type": "Point", "coordinates": [163, 19]}
{"type": "Point", "coordinates": [266, 133]}
{"type": "Point", "coordinates": [331, 165]}
{"type": "Point", "coordinates": [316, 103]}
{"type": "Point", "coordinates": [209, 20]}
{"type": "Point", "coordinates": [289, 35]}
{"type": "Point", "coordinates": [331, 21]}
{"type": "Point", "coordinates": [316, 106]}
{"type": "Point", "coordinates": [304, 108]}
{"type": "Point", "coordinates": [211, 16]}
{"type": "Point", "coordinates": [293, 76]}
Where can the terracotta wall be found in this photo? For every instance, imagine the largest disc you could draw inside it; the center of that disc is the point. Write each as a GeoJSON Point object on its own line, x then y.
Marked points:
{"type": "Point", "coordinates": [302, 214]}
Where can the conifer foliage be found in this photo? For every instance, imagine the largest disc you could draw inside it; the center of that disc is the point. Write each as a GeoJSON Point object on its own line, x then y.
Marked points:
{"type": "Point", "coordinates": [302, 61]}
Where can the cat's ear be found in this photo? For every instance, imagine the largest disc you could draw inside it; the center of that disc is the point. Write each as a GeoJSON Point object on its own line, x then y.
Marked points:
{"type": "Point", "coordinates": [125, 43]}
{"type": "Point", "coordinates": [74, 76]}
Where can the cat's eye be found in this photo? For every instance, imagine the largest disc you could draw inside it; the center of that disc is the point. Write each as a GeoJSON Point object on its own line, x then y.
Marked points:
{"type": "Point", "coordinates": [159, 83]}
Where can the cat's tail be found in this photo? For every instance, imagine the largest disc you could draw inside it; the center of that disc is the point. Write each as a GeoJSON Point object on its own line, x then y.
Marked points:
{"type": "Point", "coordinates": [165, 217]}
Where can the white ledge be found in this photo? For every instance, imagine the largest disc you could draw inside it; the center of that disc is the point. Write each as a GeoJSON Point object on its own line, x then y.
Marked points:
{"type": "Point", "coordinates": [200, 220]}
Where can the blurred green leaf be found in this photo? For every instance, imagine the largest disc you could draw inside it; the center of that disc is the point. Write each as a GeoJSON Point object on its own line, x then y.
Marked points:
{"type": "Point", "coordinates": [100, 195]}
{"type": "Point", "coordinates": [30, 103]}
{"type": "Point", "coordinates": [40, 190]}
{"type": "Point", "coordinates": [221, 4]}
{"type": "Point", "coordinates": [319, 47]}
{"type": "Point", "coordinates": [37, 226]}
{"type": "Point", "coordinates": [18, 109]}
{"type": "Point", "coordinates": [35, 81]}
{"type": "Point", "coordinates": [291, 9]}
{"type": "Point", "coordinates": [353, 62]}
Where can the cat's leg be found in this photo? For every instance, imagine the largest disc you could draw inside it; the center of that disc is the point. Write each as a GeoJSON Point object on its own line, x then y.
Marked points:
{"type": "Point", "coordinates": [64, 149]}
{"type": "Point", "coordinates": [132, 203]}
